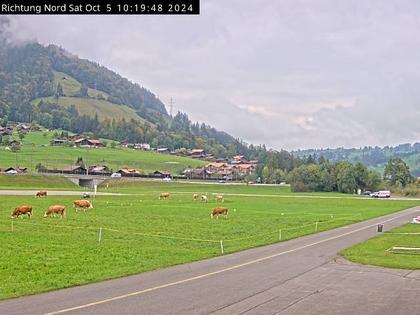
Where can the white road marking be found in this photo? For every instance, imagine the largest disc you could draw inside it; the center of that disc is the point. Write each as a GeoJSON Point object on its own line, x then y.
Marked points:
{"type": "Point", "coordinates": [218, 271]}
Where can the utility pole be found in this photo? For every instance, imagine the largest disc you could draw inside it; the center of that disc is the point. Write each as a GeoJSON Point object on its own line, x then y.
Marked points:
{"type": "Point", "coordinates": [171, 104]}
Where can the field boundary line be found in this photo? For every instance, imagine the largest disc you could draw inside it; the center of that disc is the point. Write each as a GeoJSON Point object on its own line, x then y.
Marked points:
{"type": "Point", "coordinates": [161, 236]}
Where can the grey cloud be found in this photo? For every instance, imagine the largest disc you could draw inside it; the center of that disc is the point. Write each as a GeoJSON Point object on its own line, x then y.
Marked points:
{"type": "Point", "coordinates": [291, 74]}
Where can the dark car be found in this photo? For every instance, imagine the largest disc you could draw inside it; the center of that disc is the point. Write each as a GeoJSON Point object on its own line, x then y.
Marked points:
{"type": "Point", "coordinates": [366, 193]}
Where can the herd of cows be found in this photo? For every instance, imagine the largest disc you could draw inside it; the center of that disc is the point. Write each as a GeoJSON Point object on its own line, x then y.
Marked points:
{"type": "Point", "coordinates": [53, 210]}
{"type": "Point", "coordinates": [86, 204]}
{"type": "Point", "coordinates": [216, 211]}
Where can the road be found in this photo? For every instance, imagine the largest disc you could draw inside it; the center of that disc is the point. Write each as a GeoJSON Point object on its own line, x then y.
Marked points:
{"type": "Point", "coordinates": [300, 276]}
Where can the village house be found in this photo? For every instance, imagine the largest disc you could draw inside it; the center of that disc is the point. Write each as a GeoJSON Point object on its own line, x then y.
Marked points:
{"type": "Point", "coordinates": [215, 166]}
{"type": "Point", "coordinates": [88, 143]}
{"type": "Point", "coordinates": [5, 131]}
{"type": "Point", "coordinates": [142, 146]}
{"type": "Point", "coordinates": [99, 170]}
{"type": "Point", "coordinates": [161, 174]}
{"type": "Point", "coordinates": [197, 153]}
{"type": "Point", "coordinates": [58, 141]}
{"type": "Point", "coordinates": [75, 169]}
{"type": "Point", "coordinates": [131, 172]}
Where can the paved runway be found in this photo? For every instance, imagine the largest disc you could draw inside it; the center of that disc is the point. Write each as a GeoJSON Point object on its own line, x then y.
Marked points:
{"type": "Point", "coordinates": [301, 276]}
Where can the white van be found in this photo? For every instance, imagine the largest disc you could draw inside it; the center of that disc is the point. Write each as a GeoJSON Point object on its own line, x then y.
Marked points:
{"type": "Point", "coordinates": [384, 194]}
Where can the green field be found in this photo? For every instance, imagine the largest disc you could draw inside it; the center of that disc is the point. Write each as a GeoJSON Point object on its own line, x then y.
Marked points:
{"type": "Point", "coordinates": [88, 105]}
{"type": "Point", "coordinates": [376, 250]}
{"type": "Point", "coordinates": [36, 149]}
{"type": "Point", "coordinates": [141, 232]}
{"type": "Point", "coordinates": [41, 182]}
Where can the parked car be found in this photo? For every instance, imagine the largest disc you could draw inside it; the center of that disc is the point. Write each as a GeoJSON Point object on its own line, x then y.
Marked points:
{"type": "Point", "coordinates": [115, 175]}
{"type": "Point", "coordinates": [381, 194]}
{"type": "Point", "coordinates": [166, 179]}
{"type": "Point", "coordinates": [366, 193]}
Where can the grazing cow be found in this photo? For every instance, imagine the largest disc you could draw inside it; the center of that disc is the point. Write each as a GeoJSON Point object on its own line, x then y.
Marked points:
{"type": "Point", "coordinates": [84, 204]}
{"type": "Point", "coordinates": [53, 210]}
{"type": "Point", "coordinates": [220, 198]}
{"type": "Point", "coordinates": [22, 210]}
{"type": "Point", "coordinates": [164, 195]}
{"type": "Point", "coordinates": [41, 194]}
{"type": "Point", "coordinates": [204, 198]}
{"type": "Point", "coordinates": [218, 211]}
{"type": "Point", "coordinates": [195, 197]}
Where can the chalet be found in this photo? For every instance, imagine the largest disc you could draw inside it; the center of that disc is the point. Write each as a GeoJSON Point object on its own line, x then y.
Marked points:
{"type": "Point", "coordinates": [244, 168]}
{"type": "Point", "coordinates": [239, 159]}
{"type": "Point", "coordinates": [161, 174]}
{"type": "Point", "coordinates": [74, 137]}
{"type": "Point", "coordinates": [6, 131]}
{"type": "Point", "coordinates": [88, 143]}
{"type": "Point", "coordinates": [214, 166]}
{"type": "Point", "coordinates": [201, 173]}
{"type": "Point", "coordinates": [197, 153]}
{"type": "Point", "coordinates": [142, 146]}
{"type": "Point", "coordinates": [99, 170]}
{"type": "Point", "coordinates": [129, 172]}
{"type": "Point", "coordinates": [224, 174]}
{"type": "Point", "coordinates": [23, 128]}
{"type": "Point", "coordinates": [75, 169]}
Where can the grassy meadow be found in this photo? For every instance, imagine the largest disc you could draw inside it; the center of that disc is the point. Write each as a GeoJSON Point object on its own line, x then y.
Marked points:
{"type": "Point", "coordinates": [36, 149]}
{"type": "Point", "coordinates": [376, 250]}
{"type": "Point", "coordinates": [141, 232]}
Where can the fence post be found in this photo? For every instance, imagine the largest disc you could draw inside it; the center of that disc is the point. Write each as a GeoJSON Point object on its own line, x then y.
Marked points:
{"type": "Point", "coordinates": [221, 247]}
{"type": "Point", "coordinates": [100, 235]}
{"type": "Point", "coordinates": [280, 235]}
{"type": "Point", "coordinates": [316, 226]}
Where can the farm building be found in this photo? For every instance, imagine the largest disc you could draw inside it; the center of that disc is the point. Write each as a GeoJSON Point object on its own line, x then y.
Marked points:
{"type": "Point", "coordinates": [163, 150]}
{"type": "Point", "coordinates": [161, 174]}
{"type": "Point", "coordinates": [142, 146]}
{"type": "Point", "coordinates": [197, 153]}
{"type": "Point", "coordinates": [58, 142]}
{"type": "Point", "coordinates": [14, 170]}
{"type": "Point", "coordinates": [132, 172]}
{"type": "Point", "coordinates": [88, 143]}
{"type": "Point", "coordinates": [99, 170]}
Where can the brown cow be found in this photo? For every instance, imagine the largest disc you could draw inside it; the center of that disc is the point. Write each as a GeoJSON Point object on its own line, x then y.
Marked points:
{"type": "Point", "coordinates": [21, 210]}
{"type": "Point", "coordinates": [41, 194]}
{"type": "Point", "coordinates": [196, 196]}
{"type": "Point", "coordinates": [84, 204]}
{"type": "Point", "coordinates": [218, 211]}
{"type": "Point", "coordinates": [53, 210]}
{"type": "Point", "coordinates": [220, 198]}
{"type": "Point", "coordinates": [164, 195]}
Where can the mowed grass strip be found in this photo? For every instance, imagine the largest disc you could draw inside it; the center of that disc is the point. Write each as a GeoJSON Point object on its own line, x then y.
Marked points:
{"type": "Point", "coordinates": [141, 233]}
{"type": "Point", "coordinates": [376, 250]}
{"type": "Point", "coordinates": [39, 182]}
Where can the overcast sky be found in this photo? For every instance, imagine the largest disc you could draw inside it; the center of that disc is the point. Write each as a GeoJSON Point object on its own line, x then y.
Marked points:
{"type": "Point", "coordinates": [290, 74]}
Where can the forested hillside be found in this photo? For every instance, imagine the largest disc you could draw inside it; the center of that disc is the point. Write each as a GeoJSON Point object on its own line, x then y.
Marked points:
{"type": "Point", "coordinates": [374, 157]}
{"type": "Point", "coordinates": [50, 86]}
